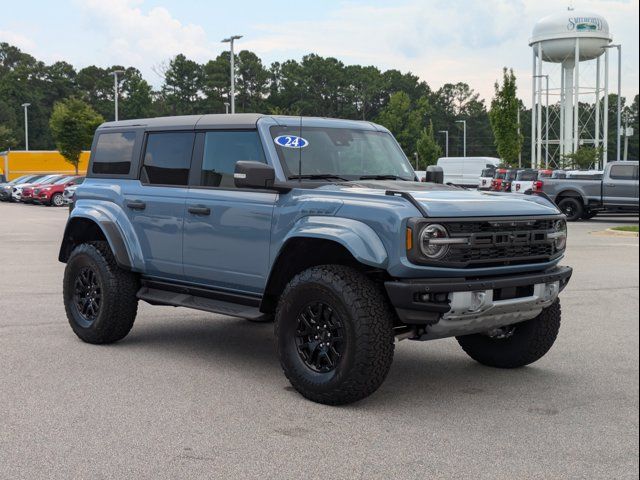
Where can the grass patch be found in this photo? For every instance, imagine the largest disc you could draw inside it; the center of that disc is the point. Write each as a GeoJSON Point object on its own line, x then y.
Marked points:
{"type": "Point", "coordinates": [627, 228]}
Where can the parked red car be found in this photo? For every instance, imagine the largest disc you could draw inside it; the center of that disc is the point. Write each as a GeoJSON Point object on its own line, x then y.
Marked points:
{"type": "Point", "coordinates": [52, 194]}
{"type": "Point", "coordinates": [27, 190]}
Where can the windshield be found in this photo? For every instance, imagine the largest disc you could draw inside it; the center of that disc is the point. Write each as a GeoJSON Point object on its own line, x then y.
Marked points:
{"type": "Point", "coordinates": [500, 175]}
{"type": "Point", "coordinates": [528, 175]}
{"type": "Point", "coordinates": [511, 175]}
{"type": "Point", "coordinates": [340, 152]}
{"type": "Point", "coordinates": [63, 180]}
{"type": "Point", "coordinates": [488, 172]}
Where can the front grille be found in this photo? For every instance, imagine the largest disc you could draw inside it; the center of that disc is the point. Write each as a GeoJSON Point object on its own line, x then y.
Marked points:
{"type": "Point", "coordinates": [501, 242]}
{"type": "Point", "coordinates": [492, 242]}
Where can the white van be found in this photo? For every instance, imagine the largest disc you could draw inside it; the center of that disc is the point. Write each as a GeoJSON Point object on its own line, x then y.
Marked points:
{"type": "Point", "coordinates": [466, 171]}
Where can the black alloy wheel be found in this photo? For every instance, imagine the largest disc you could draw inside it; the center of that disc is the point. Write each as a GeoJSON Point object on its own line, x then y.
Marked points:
{"type": "Point", "coordinates": [319, 337]}
{"type": "Point", "coordinates": [87, 296]}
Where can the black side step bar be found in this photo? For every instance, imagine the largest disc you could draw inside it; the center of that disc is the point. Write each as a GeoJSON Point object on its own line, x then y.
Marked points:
{"type": "Point", "coordinates": [161, 293]}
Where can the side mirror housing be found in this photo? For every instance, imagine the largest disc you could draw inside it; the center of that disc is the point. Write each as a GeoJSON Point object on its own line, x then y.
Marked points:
{"type": "Point", "coordinates": [252, 174]}
{"type": "Point", "coordinates": [435, 174]}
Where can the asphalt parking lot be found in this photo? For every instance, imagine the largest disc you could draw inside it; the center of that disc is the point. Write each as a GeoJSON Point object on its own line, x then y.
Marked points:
{"type": "Point", "coordinates": [195, 395]}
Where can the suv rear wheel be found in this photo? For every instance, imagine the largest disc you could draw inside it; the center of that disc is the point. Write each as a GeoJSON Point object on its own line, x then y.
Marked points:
{"type": "Point", "coordinates": [99, 297]}
{"type": "Point", "coordinates": [516, 345]}
{"type": "Point", "coordinates": [334, 334]}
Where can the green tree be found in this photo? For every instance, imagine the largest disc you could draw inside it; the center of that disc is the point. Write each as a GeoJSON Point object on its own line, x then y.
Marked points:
{"type": "Point", "coordinates": [73, 124]}
{"type": "Point", "coordinates": [182, 86]}
{"type": "Point", "coordinates": [504, 118]}
{"type": "Point", "coordinates": [404, 120]}
{"type": "Point", "coordinates": [7, 140]}
{"type": "Point", "coordinates": [428, 149]}
{"type": "Point", "coordinates": [584, 158]}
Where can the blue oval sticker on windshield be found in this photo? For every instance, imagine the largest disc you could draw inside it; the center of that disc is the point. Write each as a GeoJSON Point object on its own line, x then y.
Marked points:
{"type": "Point", "coordinates": [291, 141]}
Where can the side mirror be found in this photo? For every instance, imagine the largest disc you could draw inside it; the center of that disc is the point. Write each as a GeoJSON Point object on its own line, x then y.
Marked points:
{"type": "Point", "coordinates": [435, 174]}
{"type": "Point", "coordinates": [252, 174]}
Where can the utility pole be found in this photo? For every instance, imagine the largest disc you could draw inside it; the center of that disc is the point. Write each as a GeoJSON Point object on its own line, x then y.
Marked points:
{"type": "Point", "coordinates": [230, 41]}
{"type": "Point", "coordinates": [226, 107]}
{"type": "Point", "coordinates": [115, 74]}
{"type": "Point", "coordinates": [446, 142]}
{"type": "Point", "coordinates": [464, 136]}
{"type": "Point", "coordinates": [26, 126]}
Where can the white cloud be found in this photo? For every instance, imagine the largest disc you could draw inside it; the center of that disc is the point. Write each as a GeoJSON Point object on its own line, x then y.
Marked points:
{"type": "Point", "coordinates": [144, 39]}
{"type": "Point", "coordinates": [17, 39]}
{"type": "Point", "coordinates": [443, 41]}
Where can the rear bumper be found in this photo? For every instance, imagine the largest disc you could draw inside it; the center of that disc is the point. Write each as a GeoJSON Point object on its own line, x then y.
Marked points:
{"type": "Point", "coordinates": [456, 306]}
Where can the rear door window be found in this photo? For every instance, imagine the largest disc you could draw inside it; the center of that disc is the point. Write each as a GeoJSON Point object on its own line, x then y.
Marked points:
{"type": "Point", "coordinates": [113, 153]}
{"type": "Point", "coordinates": [167, 158]}
{"type": "Point", "coordinates": [623, 172]}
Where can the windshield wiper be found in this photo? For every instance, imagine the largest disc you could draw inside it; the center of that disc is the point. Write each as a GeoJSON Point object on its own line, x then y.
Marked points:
{"type": "Point", "coordinates": [383, 177]}
{"type": "Point", "coordinates": [317, 176]}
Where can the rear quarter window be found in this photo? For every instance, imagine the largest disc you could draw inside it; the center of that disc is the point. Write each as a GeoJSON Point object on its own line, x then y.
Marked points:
{"type": "Point", "coordinates": [113, 153]}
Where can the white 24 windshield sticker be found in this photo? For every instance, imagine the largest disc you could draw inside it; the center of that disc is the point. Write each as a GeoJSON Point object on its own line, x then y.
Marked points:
{"type": "Point", "coordinates": [291, 141]}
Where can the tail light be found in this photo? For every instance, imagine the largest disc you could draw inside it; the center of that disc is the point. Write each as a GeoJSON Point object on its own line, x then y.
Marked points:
{"type": "Point", "coordinates": [537, 186]}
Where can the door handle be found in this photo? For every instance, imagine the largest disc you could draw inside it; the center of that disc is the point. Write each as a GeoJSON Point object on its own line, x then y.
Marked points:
{"type": "Point", "coordinates": [199, 210]}
{"type": "Point", "coordinates": [136, 205]}
{"type": "Point", "coordinates": [612, 185]}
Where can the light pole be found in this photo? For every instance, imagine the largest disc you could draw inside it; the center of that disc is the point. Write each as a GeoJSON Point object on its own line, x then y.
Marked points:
{"type": "Point", "coordinates": [546, 128]}
{"type": "Point", "coordinates": [619, 47]}
{"type": "Point", "coordinates": [26, 126]}
{"type": "Point", "coordinates": [226, 107]}
{"type": "Point", "coordinates": [464, 136]}
{"type": "Point", "coordinates": [115, 74]}
{"type": "Point", "coordinates": [446, 142]}
{"type": "Point", "coordinates": [230, 41]}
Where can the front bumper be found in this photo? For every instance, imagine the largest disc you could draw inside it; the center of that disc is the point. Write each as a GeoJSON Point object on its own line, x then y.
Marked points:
{"type": "Point", "coordinates": [450, 307]}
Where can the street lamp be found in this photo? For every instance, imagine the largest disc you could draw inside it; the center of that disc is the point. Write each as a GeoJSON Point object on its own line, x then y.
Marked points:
{"type": "Point", "coordinates": [115, 74]}
{"type": "Point", "coordinates": [230, 41]}
{"type": "Point", "coordinates": [619, 47]}
{"type": "Point", "coordinates": [446, 141]}
{"type": "Point", "coordinates": [464, 136]}
{"type": "Point", "coordinates": [26, 126]}
{"type": "Point", "coordinates": [546, 133]}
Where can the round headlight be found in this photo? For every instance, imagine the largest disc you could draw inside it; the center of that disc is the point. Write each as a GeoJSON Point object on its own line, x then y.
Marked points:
{"type": "Point", "coordinates": [429, 244]}
{"type": "Point", "coordinates": [561, 234]}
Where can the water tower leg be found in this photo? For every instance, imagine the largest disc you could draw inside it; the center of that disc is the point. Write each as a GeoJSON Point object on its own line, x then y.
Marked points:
{"type": "Point", "coordinates": [596, 138]}
{"type": "Point", "coordinates": [533, 110]}
{"type": "Point", "coordinates": [576, 99]}
{"type": "Point", "coordinates": [567, 108]}
{"type": "Point", "coordinates": [605, 117]}
{"type": "Point", "coordinates": [539, 110]}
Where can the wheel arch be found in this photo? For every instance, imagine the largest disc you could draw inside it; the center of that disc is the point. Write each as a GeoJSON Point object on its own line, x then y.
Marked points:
{"type": "Point", "coordinates": [82, 229]}
{"type": "Point", "coordinates": [294, 257]}
{"type": "Point", "coordinates": [569, 193]}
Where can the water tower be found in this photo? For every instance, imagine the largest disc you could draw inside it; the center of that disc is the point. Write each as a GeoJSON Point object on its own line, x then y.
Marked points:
{"type": "Point", "coordinates": [567, 66]}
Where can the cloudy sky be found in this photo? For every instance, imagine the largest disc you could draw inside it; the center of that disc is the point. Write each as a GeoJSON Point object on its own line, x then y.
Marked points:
{"type": "Point", "coordinates": [438, 40]}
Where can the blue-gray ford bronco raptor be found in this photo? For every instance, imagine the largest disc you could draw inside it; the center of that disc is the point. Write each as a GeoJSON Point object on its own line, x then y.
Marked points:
{"type": "Point", "coordinates": [319, 225]}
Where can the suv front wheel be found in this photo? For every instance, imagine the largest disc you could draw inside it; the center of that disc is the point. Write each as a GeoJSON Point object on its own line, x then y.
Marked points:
{"type": "Point", "coordinates": [334, 334]}
{"type": "Point", "coordinates": [99, 297]}
{"type": "Point", "coordinates": [515, 345]}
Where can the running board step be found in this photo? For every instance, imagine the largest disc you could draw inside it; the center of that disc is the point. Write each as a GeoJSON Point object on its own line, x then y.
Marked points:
{"type": "Point", "coordinates": [155, 296]}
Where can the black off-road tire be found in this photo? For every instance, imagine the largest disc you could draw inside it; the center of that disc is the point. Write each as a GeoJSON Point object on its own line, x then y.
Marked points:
{"type": "Point", "coordinates": [368, 338]}
{"type": "Point", "coordinates": [529, 342]}
{"type": "Point", "coordinates": [118, 301]}
{"type": "Point", "coordinates": [572, 207]}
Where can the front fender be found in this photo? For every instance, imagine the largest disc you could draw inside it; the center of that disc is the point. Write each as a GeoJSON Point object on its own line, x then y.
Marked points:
{"type": "Point", "coordinates": [116, 228]}
{"type": "Point", "coordinates": [357, 237]}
